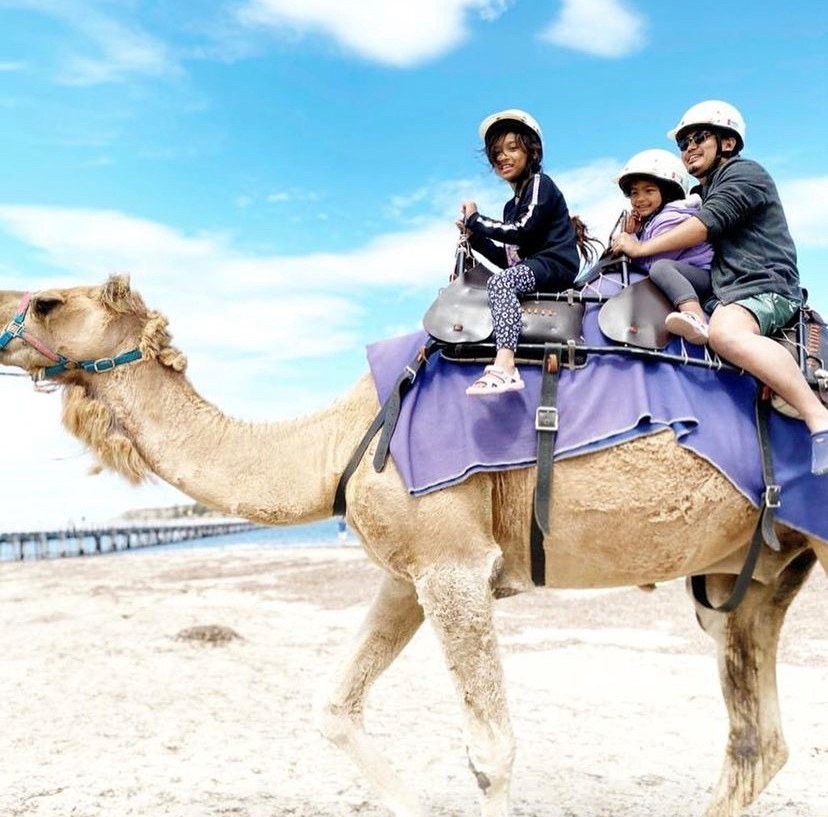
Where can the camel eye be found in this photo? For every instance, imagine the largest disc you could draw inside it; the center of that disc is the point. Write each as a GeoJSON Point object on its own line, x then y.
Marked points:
{"type": "Point", "coordinates": [44, 304]}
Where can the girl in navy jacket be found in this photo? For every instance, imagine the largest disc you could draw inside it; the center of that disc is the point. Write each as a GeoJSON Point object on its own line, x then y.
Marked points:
{"type": "Point", "coordinates": [535, 244]}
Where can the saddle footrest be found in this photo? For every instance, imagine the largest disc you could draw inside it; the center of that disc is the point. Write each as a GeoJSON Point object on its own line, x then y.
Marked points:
{"type": "Point", "coordinates": [526, 353]}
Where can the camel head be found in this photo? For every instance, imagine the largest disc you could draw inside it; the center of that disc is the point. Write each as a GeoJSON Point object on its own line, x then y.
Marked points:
{"type": "Point", "coordinates": [81, 323]}
{"type": "Point", "coordinates": [87, 325]}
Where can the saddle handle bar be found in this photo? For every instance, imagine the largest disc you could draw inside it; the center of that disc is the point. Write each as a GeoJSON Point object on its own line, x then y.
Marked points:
{"type": "Point", "coordinates": [625, 261]}
{"type": "Point", "coordinates": [461, 255]}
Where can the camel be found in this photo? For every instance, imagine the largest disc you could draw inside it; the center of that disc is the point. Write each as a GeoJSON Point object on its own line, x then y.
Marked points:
{"type": "Point", "coordinates": [664, 513]}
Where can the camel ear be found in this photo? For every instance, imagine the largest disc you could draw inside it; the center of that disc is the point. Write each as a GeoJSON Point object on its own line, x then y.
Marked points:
{"type": "Point", "coordinates": [44, 302]}
{"type": "Point", "coordinates": [115, 291]}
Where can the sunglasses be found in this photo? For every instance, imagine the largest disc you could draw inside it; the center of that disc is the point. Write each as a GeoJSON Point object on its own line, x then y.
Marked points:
{"type": "Point", "coordinates": [694, 139]}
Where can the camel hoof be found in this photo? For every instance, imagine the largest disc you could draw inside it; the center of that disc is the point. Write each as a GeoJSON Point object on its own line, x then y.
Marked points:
{"type": "Point", "coordinates": [731, 800]}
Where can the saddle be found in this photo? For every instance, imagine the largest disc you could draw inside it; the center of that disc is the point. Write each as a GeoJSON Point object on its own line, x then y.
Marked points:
{"type": "Point", "coordinates": [460, 315]}
{"type": "Point", "coordinates": [636, 316]}
{"type": "Point", "coordinates": [806, 338]}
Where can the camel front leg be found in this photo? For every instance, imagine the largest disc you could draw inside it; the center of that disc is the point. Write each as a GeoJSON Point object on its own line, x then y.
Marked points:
{"type": "Point", "coordinates": [747, 641]}
{"type": "Point", "coordinates": [394, 617]}
{"type": "Point", "coordinates": [457, 600]}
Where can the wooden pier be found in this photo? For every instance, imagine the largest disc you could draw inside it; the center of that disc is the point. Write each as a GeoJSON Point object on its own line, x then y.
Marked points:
{"type": "Point", "coordinates": [84, 541]}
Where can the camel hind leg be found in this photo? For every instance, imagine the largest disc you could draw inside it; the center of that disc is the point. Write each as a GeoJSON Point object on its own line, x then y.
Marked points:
{"type": "Point", "coordinates": [747, 641]}
{"type": "Point", "coordinates": [392, 620]}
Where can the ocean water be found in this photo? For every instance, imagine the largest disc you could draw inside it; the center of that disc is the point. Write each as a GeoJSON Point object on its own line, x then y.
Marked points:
{"type": "Point", "coordinates": [316, 534]}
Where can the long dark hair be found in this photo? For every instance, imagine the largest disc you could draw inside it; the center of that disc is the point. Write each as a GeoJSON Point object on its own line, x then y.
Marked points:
{"type": "Point", "coordinates": [526, 138]}
{"type": "Point", "coordinates": [587, 244]}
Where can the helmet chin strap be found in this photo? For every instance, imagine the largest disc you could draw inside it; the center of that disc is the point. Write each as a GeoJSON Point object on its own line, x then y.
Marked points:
{"type": "Point", "coordinates": [721, 155]}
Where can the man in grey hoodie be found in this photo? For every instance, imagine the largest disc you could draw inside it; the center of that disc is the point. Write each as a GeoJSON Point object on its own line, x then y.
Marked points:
{"type": "Point", "coordinates": [754, 276]}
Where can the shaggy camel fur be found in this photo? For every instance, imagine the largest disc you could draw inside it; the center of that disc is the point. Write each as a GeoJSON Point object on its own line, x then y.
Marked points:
{"type": "Point", "coordinates": [663, 513]}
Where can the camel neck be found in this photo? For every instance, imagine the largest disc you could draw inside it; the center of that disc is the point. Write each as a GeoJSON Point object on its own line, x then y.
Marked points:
{"type": "Point", "coordinates": [275, 473]}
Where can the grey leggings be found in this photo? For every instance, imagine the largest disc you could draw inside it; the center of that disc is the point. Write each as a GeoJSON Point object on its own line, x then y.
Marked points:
{"type": "Point", "coordinates": [680, 282]}
{"type": "Point", "coordinates": [503, 288]}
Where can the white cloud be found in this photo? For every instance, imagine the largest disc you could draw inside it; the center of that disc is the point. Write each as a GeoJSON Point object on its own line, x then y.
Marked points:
{"type": "Point", "coordinates": [294, 194]}
{"type": "Point", "coordinates": [118, 61]}
{"type": "Point", "coordinates": [98, 242]}
{"type": "Point", "coordinates": [806, 207]}
{"type": "Point", "coordinates": [10, 67]}
{"type": "Point", "coordinates": [115, 49]}
{"type": "Point", "coordinates": [392, 32]}
{"type": "Point", "coordinates": [224, 305]}
{"type": "Point", "coordinates": [590, 193]}
{"type": "Point", "coordinates": [603, 28]}
{"type": "Point", "coordinates": [122, 50]}
{"type": "Point", "coordinates": [441, 200]}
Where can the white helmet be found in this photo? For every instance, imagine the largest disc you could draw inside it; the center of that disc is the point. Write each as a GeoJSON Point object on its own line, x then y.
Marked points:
{"type": "Point", "coordinates": [657, 164]}
{"type": "Point", "coordinates": [510, 115]}
{"type": "Point", "coordinates": [713, 112]}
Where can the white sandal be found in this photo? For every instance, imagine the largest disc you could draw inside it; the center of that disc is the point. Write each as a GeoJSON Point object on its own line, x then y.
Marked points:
{"type": "Point", "coordinates": [495, 381]}
{"type": "Point", "coordinates": [688, 326]}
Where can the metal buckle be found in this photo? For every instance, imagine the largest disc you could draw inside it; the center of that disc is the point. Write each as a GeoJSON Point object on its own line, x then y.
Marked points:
{"type": "Point", "coordinates": [412, 373]}
{"type": "Point", "coordinates": [16, 327]}
{"type": "Point", "coordinates": [570, 348]}
{"type": "Point", "coordinates": [821, 376]}
{"type": "Point", "coordinates": [772, 496]}
{"type": "Point", "coordinates": [546, 418]}
{"type": "Point", "coordinates": [103, 364]}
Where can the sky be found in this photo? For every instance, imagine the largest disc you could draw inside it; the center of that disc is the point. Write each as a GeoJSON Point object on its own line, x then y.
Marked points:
{"type": "Point", "coordinates": [281, 177]}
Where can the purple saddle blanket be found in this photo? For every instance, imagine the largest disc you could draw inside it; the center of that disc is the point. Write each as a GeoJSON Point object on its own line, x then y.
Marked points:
{"type": "Point", "coordinates": [443, 436]}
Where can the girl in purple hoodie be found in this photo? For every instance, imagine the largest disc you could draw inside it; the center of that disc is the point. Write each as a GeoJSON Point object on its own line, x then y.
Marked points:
{"type": "Point", "coordinates": [656, 183]}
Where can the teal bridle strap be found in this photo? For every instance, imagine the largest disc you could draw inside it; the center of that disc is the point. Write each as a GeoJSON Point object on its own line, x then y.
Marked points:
{"type": "Point", "coordinates": [102, 364]}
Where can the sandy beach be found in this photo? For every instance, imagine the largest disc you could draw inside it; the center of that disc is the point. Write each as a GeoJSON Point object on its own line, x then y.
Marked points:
{"type": "Point", "coordinates": [106, 711]}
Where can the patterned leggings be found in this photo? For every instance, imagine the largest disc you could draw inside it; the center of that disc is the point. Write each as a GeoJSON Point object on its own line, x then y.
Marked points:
{"type": "Point", "coordinates": [503, 288]}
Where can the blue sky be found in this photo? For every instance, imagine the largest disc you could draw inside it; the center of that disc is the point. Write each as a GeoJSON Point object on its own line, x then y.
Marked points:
{"type": "Point", "coordinates": [278, 166]}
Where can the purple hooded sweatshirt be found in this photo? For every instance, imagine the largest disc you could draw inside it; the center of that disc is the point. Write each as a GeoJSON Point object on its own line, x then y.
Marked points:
{"type": "Point", "coordinates": [672, 214]}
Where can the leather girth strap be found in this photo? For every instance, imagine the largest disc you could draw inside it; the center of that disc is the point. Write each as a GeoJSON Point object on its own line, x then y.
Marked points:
{"type": "Point", "coordinates": [386, 420]}
{"type": "Point", "coordinates": [764, 532]}
{"type": "Point", "coordinates": [546, 425]}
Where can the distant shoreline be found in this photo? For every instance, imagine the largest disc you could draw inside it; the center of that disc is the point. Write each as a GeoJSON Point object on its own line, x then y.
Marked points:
{"type": "Point", "coordinates": [131, 537]}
